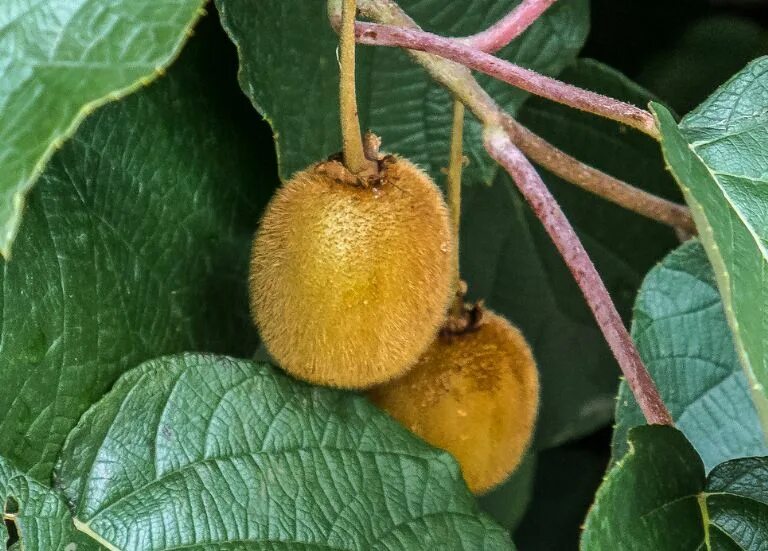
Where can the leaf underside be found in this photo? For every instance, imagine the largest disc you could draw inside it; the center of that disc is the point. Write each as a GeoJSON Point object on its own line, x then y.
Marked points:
{"type": "Point", "coordinates": [683, 337]}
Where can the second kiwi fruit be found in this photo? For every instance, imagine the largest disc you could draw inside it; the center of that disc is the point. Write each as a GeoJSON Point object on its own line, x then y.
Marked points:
{"type": "Point", "coordinates": [473, 393]}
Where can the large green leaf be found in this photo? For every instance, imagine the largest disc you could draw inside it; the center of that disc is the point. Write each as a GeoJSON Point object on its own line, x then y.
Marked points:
{"type": "Point", "coordinates": [509, 260]}
{"type": "Point", "coordinates": [135, 245]}
{"type": "Point", "coordinates": [290, 72]}
{"type": "Point", "coordinates": [683, 337]}
{"type": "Point", "coordinates": [63, 58]}
{"type": "Point", "coordinates": [207, 452]}
{"type": "Point", "coordinates": [39, 514]}
{"type": "Point", "coordinates": [717, 154]}
{"type": "Point", "coordinates": [657, 497]}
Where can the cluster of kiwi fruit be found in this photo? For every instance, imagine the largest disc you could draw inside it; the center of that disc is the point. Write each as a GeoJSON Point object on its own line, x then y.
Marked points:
{"type": "Point", "coordinates": [353, 284]}
{"type": "Point", "coordinates": [350, 285]}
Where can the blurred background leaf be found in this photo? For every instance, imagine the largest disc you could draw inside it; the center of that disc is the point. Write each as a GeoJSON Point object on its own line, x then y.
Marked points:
{"type": "Point", "coordinates": [681, 50]}
{"type": "Point", "coordinates": [706, 54]}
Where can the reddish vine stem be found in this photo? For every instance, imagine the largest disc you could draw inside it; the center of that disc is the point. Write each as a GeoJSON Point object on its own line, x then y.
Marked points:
{"type": "Point", "coordinates": [553, 159]}
{"type": "Point", "coordinates": [509, 27]}
{"type": "Point", "coordinates": [595, 181]}
{"type": "Point", "coordinates": [500, 147]}
{"type": "Point", "coordinates": [375, 34]}
{"type": "Point", "coordinates": [458, 79]}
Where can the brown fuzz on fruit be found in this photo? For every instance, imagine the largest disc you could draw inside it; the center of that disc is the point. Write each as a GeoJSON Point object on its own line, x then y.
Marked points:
{"type": "Point", "coordinates": [474, 394]}
{"type": "Point", "coordinates": [349, 280]}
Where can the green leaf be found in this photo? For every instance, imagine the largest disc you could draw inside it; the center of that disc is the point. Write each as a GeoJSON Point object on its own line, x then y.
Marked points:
{"type": "Point", "coordinates": [683, 337]}
{"type": "Point", "coordinates": [508, 259]}
{"type": "Point", "coordinates": [657, 497]}
{"type": "Point", "coordinates": [135, 245]}
{"type": "Point", "coordinates": [62, 60]}
{"type": "Point", "coordinates": [204, 452]}
{"type": "Point", "coordinates": [717, 155]}
{"type": "Point", "coordinates": [40, 515]}
{"type": "Point", "coordinates": [290, 72]}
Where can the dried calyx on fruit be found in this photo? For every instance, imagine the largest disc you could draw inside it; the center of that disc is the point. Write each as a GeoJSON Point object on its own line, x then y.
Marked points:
{"type": "Point", "coordinates": [474, 393]}
{"type": "Point", "coordinates": [351, 278]}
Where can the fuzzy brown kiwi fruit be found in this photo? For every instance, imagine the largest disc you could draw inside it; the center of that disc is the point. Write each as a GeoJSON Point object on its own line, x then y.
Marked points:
{"type": "Point", "coordinates": [473, 394]}
{"type": "Point", "coordinates": [349, 283]}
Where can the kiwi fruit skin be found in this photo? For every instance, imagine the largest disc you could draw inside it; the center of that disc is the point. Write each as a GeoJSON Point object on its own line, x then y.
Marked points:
{"type": "Point", "coordinates": [474, 395]}
{"type": "Point", "coordinates": [349, 284]}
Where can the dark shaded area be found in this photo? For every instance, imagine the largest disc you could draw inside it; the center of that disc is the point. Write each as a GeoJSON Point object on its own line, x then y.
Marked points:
{"type": "Point", "coordinates": [217, 59]}
{"type": "Point", "coordinates": [567, 478]}
{"type": "Point", "coordinates": [13, 533]}
{"type": "Point", "coordinates": [682, 50]}
{"type": "Point", "coordinates": [11, 507]}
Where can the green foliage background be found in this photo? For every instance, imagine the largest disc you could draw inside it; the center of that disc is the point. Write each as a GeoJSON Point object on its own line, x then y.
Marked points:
{"type": "Point", "coordinates": [134, 243]}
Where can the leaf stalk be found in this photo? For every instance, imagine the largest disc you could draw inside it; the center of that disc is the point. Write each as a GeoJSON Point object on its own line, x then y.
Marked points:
{"type": "Point", "coordinates": [455, 166]}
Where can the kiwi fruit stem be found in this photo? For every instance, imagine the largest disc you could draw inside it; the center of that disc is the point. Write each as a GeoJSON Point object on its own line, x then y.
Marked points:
{"type": "Point", "coordinates": [352, 143]}
{"type": "Point", "coordinates": [466, 320]}
{"type": "Point", "coordinates": [455, 166]}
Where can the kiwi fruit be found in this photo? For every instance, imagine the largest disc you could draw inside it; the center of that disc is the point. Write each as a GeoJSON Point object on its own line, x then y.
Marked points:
{"type": "Point", "coordinates": [473, 394]}
{"type": "Point", "coordinates": [349, 280]}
